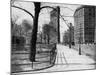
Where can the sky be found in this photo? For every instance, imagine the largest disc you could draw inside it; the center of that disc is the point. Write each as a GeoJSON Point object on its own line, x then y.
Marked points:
{"type": "Point", "coordinates": [44, 16]}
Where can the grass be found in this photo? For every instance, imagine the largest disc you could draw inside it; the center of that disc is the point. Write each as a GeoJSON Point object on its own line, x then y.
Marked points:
{"type": "Point", "coordinates": [20, 58]}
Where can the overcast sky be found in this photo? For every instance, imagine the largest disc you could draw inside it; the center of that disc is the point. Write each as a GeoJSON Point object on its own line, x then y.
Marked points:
{"type": "Point", "coordinates": [44, 18]}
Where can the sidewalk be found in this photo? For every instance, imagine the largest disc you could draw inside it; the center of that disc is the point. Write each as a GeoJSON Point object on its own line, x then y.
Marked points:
{"type": "Point", "coordinates": [72, 56]}
{"type": "Point", "coordinates": [68, 60]}
{"type": "Point", "coordinates": [87, 49]}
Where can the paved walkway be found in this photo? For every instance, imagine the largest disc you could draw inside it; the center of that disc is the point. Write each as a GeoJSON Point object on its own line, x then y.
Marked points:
{"type": "Point", "coordinates": [69, 59]}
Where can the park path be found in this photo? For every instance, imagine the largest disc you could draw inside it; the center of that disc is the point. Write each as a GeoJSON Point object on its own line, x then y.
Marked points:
{"type": "Point", "coordinates": [68, 60]}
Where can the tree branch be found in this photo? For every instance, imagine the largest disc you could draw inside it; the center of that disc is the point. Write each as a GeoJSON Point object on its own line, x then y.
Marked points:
{"type": "Point", "coordinates": [23, 10]}
{"type": "Point", "coordinates": [48, 7]}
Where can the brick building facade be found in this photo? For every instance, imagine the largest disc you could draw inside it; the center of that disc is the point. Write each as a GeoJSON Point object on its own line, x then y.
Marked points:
{"type": "Point", "coordinates": [85, 23]}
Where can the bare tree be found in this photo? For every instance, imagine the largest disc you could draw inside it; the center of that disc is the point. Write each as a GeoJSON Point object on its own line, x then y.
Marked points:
{"type": "Point", "coordinates": [46, 31]}
{"type": "Point", "coordinates": [26, 26]}
{"type": "Point", "coordinates": [49, 31]}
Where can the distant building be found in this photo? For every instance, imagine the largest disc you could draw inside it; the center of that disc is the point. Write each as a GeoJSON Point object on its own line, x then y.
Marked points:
{"type": "Point", "coordinates": [72, 34]}
{"type": "Point", "coordinates": [54, 18]}
{"type": "Point", "coordinates": [66, 37]}
{"type": "Point", "coordinates": [85, 24]}
{"type": "Point", "coordinates": [54, 23]}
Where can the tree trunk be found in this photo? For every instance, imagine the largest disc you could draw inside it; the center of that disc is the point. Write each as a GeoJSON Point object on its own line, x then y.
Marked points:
{"type": "Point", "coordinates": [41, 38]}
{"type": "Point", "coordinates": [48, 38]}
{"type": "Point", "coordinates": [44, 38]}
{"type": "Point", "coordinates": [34, 32]}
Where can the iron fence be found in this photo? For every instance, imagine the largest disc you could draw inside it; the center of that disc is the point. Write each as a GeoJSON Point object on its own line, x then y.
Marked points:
{"type": "Point", "coordinates": [45, 58]}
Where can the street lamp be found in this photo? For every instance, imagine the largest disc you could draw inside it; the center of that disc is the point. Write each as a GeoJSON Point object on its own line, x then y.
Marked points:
{"type": "Point", "coordinates": [79, 46]}
{"type": "Point", "coordinates": [70, 35]}
{"type": "Point", "coordinates": [80, 40]}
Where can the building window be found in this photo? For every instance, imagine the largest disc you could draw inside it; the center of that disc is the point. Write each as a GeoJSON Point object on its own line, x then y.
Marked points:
{"type": "Point", "coordinates": [90, 13]}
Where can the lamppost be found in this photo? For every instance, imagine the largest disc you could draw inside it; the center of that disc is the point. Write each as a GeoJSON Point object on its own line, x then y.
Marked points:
{"type": "Point", "coordinates": [80, 40]}
{"type": "Point", "coordinates": [79, 46]}
{"type": "Point", "coordinates": [70, 35]}
{"type": "Point", "coordinates": [41, 36]}
{"type": "Point", "coordinates": [58, 19]}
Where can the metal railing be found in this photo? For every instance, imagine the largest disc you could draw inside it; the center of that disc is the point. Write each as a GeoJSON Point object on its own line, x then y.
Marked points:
{"type": "Point", "coordinates": [53, 53]}
{"type": "Point", "coordinates": [45, 56]}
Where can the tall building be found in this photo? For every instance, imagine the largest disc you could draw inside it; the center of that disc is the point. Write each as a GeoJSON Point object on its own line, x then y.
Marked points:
{"type": "Point", "coordinates": [54, 23]}
{"type": "Point", "coordinates": [85, 24]}
{"type": "Point", "coordinates": [54, 18]}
